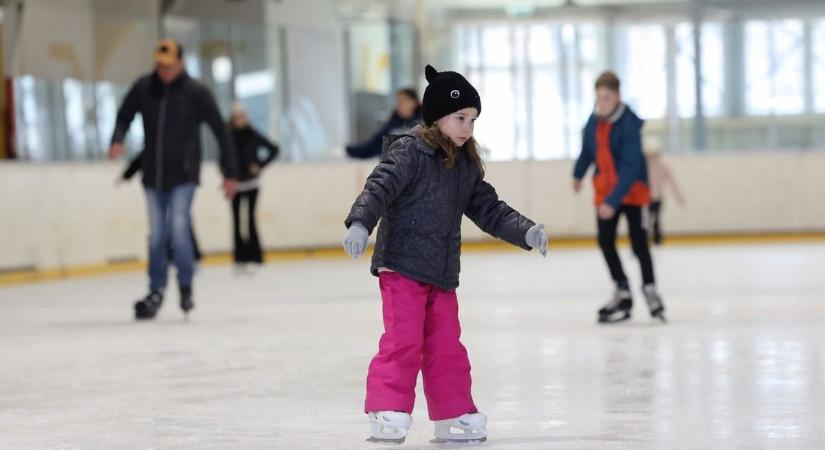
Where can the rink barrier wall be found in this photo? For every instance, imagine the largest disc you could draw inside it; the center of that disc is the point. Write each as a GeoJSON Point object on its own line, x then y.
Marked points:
{"type": "Point", "coordinates": [62, 218]}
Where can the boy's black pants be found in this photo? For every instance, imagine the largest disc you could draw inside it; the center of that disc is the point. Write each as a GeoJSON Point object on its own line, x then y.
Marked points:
{"type": "Point", "coordinates": [638, 240]}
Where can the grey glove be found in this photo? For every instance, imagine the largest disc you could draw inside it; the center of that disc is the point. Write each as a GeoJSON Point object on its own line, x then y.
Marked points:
{"type": "Point", "coordinates": [537, 238]}
{"type": "Point", "coordinates": [355, 241]}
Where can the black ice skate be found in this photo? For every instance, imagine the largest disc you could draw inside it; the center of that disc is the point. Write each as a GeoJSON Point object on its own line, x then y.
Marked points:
{"type": "Point", "coordinates": [618, 308]}
{"type": "Point", "coordinates": [186, 302]}
{"type": "Point", "coordinates": [148, 307]}
{"type": "Point", "coordinates": [654, 302]}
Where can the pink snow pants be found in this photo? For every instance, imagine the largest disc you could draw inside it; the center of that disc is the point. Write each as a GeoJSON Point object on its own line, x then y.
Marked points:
{"type": "Point", "coordinates": [421, 333]}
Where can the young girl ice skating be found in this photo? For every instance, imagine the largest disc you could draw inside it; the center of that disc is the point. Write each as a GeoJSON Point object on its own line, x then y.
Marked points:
{"type": "Point", "coordinates": [428, 178]}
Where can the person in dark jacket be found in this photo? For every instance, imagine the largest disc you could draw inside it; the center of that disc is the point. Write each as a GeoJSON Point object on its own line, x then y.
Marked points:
{"type": "Point", "coordinates": [612, 141]}
{"type": "Point", "coordinates": [407, 114]}
{"type": "Point", "coordinates": [134, 167]}
{"type": "Point", "coordinates": [172, 106]}
{"type": "Point", "coordinates": [428, 179]}
{"type": "Point", "coordinates": [248, 142]}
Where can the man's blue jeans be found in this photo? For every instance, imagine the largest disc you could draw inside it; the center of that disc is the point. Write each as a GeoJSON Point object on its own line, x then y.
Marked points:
{"type": "Point", "coordinates": [170, 218]}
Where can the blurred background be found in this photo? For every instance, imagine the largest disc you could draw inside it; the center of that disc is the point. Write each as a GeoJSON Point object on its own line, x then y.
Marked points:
{"type": "Point", "coordinates": [734, 90]}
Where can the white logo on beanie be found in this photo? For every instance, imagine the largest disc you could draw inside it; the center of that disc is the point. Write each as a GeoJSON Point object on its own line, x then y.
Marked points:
{"type": "Point", "coordinates": [455, 93]}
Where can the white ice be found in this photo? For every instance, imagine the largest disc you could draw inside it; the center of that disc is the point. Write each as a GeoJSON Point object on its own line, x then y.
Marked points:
{"type": "Point", "coordinates": [278, 360]}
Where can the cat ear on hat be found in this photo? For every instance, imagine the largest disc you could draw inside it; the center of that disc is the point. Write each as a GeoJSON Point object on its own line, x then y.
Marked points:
{"type": "Point", "coordinates": [430, 73]}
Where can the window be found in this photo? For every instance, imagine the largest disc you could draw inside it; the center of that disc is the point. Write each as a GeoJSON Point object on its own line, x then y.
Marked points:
{"type": "Point", "coordinates": [644, 76]}
{"type": "Point", "coordinates": [585, 50]}
{"type": "Point", "coordinates": [818, 63]}
{"type": "Point", "coordinates": [79, 144]}
{"type": "Point", "coordinates": [774, 67]}
{"type": "Point", "coordinates": [489, 67]}
{"type": "Point", "coordinates": [69, 119]}
{"type": "Point", "coordinates": [32, 118]}
{"type": "Point", "coordinates": [713, 63]}
{"type": "Point", "coordinates": [536, 84]}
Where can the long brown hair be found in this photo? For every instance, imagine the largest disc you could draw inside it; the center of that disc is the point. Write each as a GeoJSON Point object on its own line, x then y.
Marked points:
{"type": "Point", "coordinates": [435, 139]}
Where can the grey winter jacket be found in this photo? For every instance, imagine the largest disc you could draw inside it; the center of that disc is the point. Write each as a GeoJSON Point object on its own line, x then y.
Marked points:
{"type": "Point", "coordinates": [420, 204]}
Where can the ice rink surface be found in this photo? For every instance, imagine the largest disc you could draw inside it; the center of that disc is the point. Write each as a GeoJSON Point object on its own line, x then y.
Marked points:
{"type": "Point", "coordinates": [278, 360]}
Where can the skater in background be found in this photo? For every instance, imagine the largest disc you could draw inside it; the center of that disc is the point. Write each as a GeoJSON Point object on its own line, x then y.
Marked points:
{"type": "Point", "coordinates": [248, 144]}
{"type": "Point", "coordinates": [612, 141]}
{"type": "Point", "coordinates": [172, 106]}
{"type": "Point", "coordinates": [133, 168]}
{"type": "Point", "coordinates": [407, 113]}
{"type": "Point", "coordinates": [661, 177]}
{"type": "Point", "coordinates": [428, 178]}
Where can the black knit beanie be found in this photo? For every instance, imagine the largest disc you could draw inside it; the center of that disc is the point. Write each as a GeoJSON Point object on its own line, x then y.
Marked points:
{"type": "Point", "coordinates": [446, 93]}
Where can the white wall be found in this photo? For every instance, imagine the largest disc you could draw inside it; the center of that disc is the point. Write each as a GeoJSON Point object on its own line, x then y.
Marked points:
{"type": "Point", "coordinates": [54, 215]}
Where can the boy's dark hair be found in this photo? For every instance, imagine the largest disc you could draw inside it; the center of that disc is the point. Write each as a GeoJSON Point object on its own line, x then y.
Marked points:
{"type": "Point", "coordinates": [608, 80]}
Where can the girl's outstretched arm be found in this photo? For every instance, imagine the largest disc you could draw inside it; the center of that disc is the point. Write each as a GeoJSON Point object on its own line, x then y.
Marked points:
{"type": "Point", "coordinates": [497, 218]}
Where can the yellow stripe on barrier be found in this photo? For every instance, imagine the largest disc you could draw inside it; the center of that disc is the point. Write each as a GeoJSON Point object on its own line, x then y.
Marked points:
{"type": "Point", "coordinates": [31, 276]}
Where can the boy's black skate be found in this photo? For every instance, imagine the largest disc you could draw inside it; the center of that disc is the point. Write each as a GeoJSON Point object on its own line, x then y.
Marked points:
{"type": "Point", "coordinates": [148, 307]}
{"type": "Point", "coordinates": [186, 302]}
{"type": "Point", "coordinates": [618, 308]}
{"type": "Point", "coordinates": [654, 302]}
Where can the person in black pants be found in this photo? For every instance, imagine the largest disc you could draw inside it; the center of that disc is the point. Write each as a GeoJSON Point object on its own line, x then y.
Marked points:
{"type": "Point", "coordinates": [638, 242]}
{"type": "Point", "coordinates": [248, 143]}
{"type": "Point", "coordinates": [612, 142]}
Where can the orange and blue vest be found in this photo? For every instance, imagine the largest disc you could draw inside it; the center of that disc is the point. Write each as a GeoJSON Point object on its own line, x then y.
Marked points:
{"type": "Point", "coordinates": [614, 144]}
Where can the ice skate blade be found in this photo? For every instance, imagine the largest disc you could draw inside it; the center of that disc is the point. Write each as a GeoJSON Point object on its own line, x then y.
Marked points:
{"type": "Point", "coordinates": [661, 317]}
{"type": "Point", "coordinates": [459, 441]}
{"type": "Point", "coordinates": [142, 316]}
{"type": "Point", "coordinates": [376, 440]}
{"type": "Point", "coordinates": [607, 319]}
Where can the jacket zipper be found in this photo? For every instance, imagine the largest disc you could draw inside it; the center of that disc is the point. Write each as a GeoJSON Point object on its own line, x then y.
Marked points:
{"type": "Point", "coordinates": [159, 139]}
{"type": "Point", "coordinates": [452, 224]}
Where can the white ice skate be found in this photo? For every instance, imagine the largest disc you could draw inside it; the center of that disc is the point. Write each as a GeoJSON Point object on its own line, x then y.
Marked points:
{"type": "Point", "coordinates": [654, 302]}
{"type": "Point", "coordinates": [389, 427]}
{"type": "Point", "coordinates": [468, 428]}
